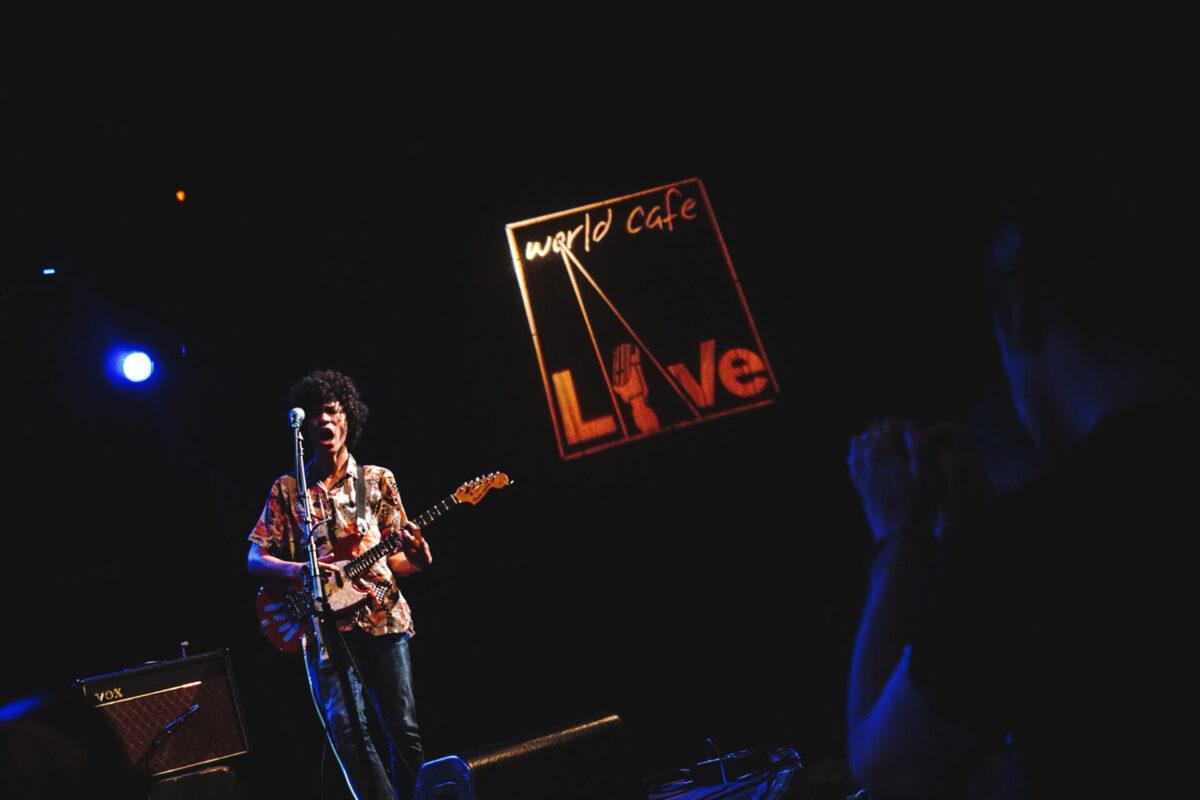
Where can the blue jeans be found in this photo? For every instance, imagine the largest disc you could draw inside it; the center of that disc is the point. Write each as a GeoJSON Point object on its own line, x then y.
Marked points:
{"type": "Point", "coordinates": [387, 671]}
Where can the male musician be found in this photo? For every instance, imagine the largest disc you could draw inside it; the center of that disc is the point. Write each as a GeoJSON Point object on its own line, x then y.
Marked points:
{"type": "Point", "coordinates": [353, 507]}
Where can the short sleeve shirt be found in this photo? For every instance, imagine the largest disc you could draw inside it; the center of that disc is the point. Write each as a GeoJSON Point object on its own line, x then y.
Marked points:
{"type": "Point", "coordinates": [341, 533]}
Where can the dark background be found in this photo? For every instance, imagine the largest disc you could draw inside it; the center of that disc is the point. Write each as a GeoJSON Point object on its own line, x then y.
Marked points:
{"type": "Point", "coordinates": [703, 583]}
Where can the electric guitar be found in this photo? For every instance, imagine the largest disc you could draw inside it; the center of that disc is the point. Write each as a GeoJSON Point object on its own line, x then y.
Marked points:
{"type": "Point", "coordinates": [284, 608]}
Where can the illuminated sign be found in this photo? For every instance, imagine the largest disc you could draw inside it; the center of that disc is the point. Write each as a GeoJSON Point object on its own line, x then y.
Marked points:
{"type": "Point", "coordinates": [638, 321]}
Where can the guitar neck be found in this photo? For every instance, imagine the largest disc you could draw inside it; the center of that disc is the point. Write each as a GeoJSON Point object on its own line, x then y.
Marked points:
{"type": "Point", "coordinates": [391, 543]}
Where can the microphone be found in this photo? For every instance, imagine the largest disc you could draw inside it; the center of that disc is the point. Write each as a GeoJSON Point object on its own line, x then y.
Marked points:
{"type": "Point", "coordinates": [143, 763]}
{"type": "Point", "coordinates": [296, 417]}
{"type": "Point", "coordinates": [175, 723]}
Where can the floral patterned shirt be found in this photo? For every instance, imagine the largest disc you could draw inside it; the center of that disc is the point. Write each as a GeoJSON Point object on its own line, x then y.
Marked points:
{"type": "Point", "coordinates": [278, 532]}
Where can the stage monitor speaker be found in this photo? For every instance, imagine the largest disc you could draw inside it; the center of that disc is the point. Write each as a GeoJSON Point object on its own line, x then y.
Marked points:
{"type": "Point", "coordinates": [173, 715]}
{"type": "Point", "coordinates": [745, 775]}
{"type": "Point", "coordinates": [585, 760]}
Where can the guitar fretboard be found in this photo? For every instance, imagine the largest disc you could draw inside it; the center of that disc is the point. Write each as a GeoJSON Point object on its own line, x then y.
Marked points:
{"type": "Point", "coordinates": [391, 543]}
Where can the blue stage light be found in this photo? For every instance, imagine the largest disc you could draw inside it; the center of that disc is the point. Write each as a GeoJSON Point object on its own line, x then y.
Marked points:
{"type": "Point", "coordinates": [137, 367]}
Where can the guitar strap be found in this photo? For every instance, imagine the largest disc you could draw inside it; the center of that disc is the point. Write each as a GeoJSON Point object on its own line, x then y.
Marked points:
{"type": "Point", "coordinates": [360, 493]}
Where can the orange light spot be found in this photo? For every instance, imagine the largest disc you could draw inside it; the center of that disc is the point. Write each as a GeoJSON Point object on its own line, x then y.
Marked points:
{"type": "Point", "coordinates": [181, 195]}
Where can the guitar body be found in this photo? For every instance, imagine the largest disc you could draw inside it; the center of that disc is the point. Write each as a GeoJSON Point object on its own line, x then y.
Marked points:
{"type": "Point", "coordinates": [281, 609]}
{"type": "Point", "coordinates": [344, 595]}
{"type": "Point", "coordinates": [284, 608]}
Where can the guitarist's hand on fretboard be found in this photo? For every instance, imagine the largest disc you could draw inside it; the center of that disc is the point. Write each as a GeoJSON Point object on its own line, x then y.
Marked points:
{"type": "Point", "coordinates": [415, 548]}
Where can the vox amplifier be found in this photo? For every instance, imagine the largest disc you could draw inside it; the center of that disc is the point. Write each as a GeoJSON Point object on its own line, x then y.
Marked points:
{"type": "Point", "coordinates": [173, 715]}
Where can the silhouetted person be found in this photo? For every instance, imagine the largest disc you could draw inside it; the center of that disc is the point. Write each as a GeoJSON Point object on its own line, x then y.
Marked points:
{"type": "Point", "coordinates": [57, 746]}
{"type": "Point", "coordinates": [1051, 626]}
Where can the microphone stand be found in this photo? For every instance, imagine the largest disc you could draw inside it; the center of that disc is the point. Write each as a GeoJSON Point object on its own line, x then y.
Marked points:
{"type": "Point", "coordinates": [316, 587]}
{"type": "Point", "coordinates": [319, 605]}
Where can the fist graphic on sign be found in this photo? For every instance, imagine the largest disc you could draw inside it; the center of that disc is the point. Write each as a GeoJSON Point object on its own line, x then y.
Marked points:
{"type": "Point", "coordinates": [629, 382]}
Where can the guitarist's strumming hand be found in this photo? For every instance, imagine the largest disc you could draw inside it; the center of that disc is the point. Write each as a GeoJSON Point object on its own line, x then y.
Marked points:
{"type": "Point", "coordinates": [327, 571]}
{"type": "Point", "coordinates": [415, 548]}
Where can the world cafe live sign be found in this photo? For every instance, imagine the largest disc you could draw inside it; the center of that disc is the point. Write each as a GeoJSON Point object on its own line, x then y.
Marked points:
{"type": "Point", "coordinates": [638, 321]}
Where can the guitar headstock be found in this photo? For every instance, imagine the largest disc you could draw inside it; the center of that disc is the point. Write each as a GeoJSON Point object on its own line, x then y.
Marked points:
{"type": "Point", "coordinates": [473, 491]}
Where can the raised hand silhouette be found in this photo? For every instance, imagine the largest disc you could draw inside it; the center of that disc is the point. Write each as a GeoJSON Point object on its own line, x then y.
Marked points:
{"type": "Point", "coordinates": [629, 382]}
